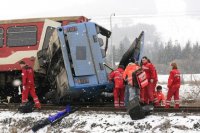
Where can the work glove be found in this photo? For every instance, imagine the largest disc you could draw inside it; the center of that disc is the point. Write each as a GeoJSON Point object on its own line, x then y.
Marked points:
{"type": "Point", "coordinates": [151, 80]}
{"type": "Point", "coordinates": [23, 87]}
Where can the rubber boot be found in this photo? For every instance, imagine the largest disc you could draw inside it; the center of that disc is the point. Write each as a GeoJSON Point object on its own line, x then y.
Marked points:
{"type": "Point", "coordinates": [167, 106]}
{"type": "Point", "coordinates": [176, 106]}
{"type": "Point", "coordinates": [156, 104]}
{"type": "Point", "coordinates": [38, 106]}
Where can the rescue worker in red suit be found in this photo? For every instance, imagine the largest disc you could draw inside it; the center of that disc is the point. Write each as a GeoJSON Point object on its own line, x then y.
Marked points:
{"type": "Point", "coordinates": [174, 83]}
{"type": "Point", "coordinates": [119, 86]}
{"type": "Point", "coordinates": [159, 96]}
{"type": "Point", "coordinates": [147, 93]}
{"type": "Point", "coordinates": [155, 82]}
{"type": "Point", "coordinates": [28, 84]}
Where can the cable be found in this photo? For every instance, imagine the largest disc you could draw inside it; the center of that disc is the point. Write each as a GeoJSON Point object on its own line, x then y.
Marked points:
{"type": "Point", "coordinates": [175, 14]}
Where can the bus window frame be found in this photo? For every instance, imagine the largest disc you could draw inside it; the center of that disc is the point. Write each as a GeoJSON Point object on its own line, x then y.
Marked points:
{"type": "Point", "coordinates": [44, 46]}
{"type": "Point", "coordinates": [22, 26]}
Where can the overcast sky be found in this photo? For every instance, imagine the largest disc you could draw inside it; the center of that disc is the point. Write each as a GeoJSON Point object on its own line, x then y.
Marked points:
{"type": "Point", "coordinates": [175, 19]}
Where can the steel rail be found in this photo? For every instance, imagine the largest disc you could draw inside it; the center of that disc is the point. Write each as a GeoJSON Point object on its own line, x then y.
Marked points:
{"type": "Point", "coordinates": [101, 108]}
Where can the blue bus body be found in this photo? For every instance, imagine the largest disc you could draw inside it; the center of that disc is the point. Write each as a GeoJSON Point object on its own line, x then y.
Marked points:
{"type": "Point", "coordinates": [74, 60]}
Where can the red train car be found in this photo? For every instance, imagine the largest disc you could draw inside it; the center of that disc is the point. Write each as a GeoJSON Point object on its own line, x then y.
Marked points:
{"type": "Point", "coordinates": [20, 39]}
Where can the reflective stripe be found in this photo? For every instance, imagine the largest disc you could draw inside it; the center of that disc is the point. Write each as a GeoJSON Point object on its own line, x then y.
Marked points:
{"type": "Point", "coordinates": [35, 99]}
{"type": "Point", "coordinates": [177, 75]}
{"type": "Point", "coordinates": [156, 100]}
{"type": "Point", "coordinates": [168, 102]}
{"type": "Point", "coordinates": [118, 77]}
{"type": "Point", "coordinates": [176, 101]}
{"type": "Point", "coordinates": [142, 76]}
{"type": "Point", "coordinates": [144, 83]}
{"type": "Point", "coordinates": [122, 104]}
{"type": "Point", "coordinates": [144, 67]}
{"type": "Point", "coordinates": [24, 101]}
{"type": "Point", "coordinates": [116, 71]}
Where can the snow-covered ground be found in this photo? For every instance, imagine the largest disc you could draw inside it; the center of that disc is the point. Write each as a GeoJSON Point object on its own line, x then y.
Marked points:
{"type": "Point", "coordinates": [185, 78]}
{"type": "Point", "coordinates": [186, 92]}
{"type": "Point", "coordinates": [190, 88]}
{"type": "Point", "coordinates": [101, 122]}
{"type": "Point", "coordinates": [108, 122]}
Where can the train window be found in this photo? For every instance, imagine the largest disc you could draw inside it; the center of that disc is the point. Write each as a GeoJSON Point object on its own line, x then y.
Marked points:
{"type": "Point", "coordinates": [97, 29]}
{"type": "Point", "coordinates": [100, 41]}
{"type": "Point", "coordinates": [81, 52]}
{"type": "Point", "coordinates": [1, 37]}
{"type": "Point", "coordinates": [49, 32]}
{"type": "Point", "coordinates": [71, 23]}
{"type": "Point", "coordinates": [103, 52]}
{"type": "Point", "coordinates": [95, 38]}
{"type": "Point", "coordinates": [101, 66]}
{"type": "Point", "coordinates": [22, 36]}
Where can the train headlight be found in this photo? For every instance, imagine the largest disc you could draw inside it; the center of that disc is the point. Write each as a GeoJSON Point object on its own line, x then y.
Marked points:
{"type": "Point", "coordinates": [17, 82]}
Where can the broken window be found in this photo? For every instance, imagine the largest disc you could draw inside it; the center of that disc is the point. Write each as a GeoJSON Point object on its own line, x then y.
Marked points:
{"type": "Point", "coordinates": [48, 35]}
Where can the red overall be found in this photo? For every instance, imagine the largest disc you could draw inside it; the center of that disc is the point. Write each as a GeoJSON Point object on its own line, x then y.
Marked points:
{"type": "Point", "coordinates": [147, 93]}
{"type": "Point", "coordinates": [174, 83]}
{"type": "Point", "coordinates": [119, 87]}
{"type": "Point", "coordinates": [160, 98]}
{"type": "Point", "coordinates": [29, 86]}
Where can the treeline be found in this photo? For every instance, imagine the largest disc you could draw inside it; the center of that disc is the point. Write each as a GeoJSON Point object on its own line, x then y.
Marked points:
{"type": "Point", "coordinates": [162, 54]}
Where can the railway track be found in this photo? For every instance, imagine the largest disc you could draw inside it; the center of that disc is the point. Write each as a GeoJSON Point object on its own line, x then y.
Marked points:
{"type": "Point", "coordinates": [185, 109]}
{"type": "Point", "coordinates": [102, 108]}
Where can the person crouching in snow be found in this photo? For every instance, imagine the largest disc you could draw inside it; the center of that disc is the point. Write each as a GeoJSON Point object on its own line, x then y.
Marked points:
{"type": "Point", "coordinates": [174, 82]}
{"type": "Point", "coordinates": [119, 87]}
{"type": "Point", "coordinates": [159, 96]}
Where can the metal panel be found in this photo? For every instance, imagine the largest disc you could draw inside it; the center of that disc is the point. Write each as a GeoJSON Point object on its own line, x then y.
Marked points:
{"type": "Point", "coordinates": [65, 57]}
{"type": "Point", "coordinates": [96, 53]}
{"type": "Point", "coordinates": [135, 50]}
{"type": "Point", "coordinates": [80, 50]}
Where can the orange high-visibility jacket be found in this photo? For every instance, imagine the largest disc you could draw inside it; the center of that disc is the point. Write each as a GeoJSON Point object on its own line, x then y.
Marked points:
{"type": "Point", "coordinates": [132, 67]}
